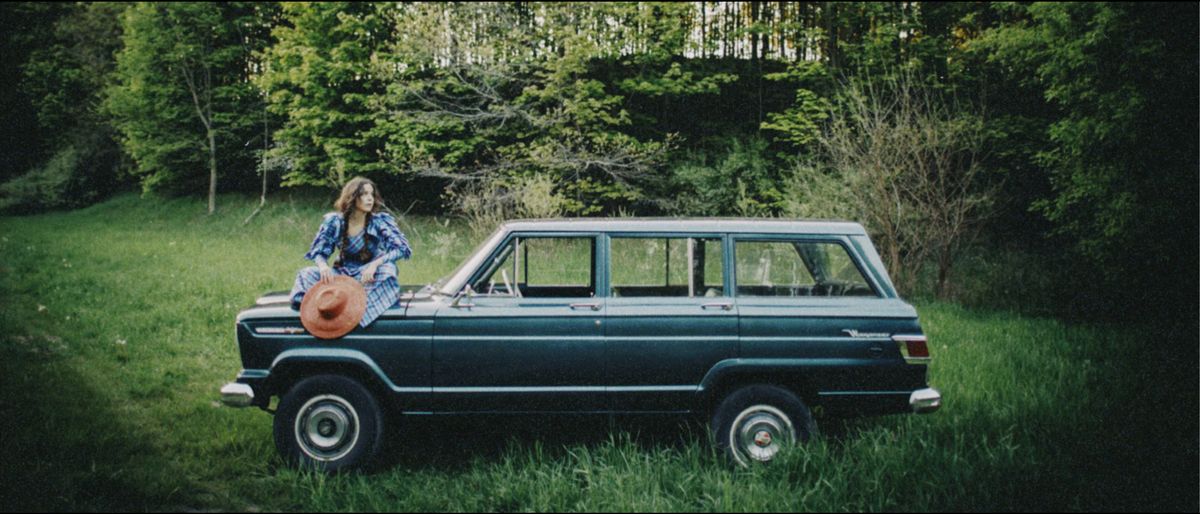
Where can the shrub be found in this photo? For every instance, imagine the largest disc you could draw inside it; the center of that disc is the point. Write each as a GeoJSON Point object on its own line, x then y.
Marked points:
{"type": "Point", "coordinates": [739, 182]}
{"type": "Point", "coordinates": [489, 202]}
{"type": "Point", "coordinates": [78, 174]}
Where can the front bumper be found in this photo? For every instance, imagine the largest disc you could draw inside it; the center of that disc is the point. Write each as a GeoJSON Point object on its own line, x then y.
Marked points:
{"type": "Point", "coordinates": [237, 394]}
{"type": "Point", "coordinates": [924, 401]}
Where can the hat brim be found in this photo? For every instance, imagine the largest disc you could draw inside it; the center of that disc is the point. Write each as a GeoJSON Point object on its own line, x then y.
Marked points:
{"type": "Point", "coordinates": [343, 323]}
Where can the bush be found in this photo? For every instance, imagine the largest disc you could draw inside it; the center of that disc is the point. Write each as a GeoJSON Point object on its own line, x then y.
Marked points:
{"type": "Point", "coordinates": [487, 203]}
{"type": "Point", "coordinates": [78, 174]}
{"type": "Point", "coordinates": [740, 182]}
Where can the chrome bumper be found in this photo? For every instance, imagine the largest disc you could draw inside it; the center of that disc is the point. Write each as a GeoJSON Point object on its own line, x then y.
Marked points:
{"type": "Point", "coordinates": [924, 401]}
{"type": "Point", "coordinates": [236, 394]}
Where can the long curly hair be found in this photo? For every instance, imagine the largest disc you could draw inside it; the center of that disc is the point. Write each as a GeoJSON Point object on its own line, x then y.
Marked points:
{"type": "Point", "coordinates": [345, 204]}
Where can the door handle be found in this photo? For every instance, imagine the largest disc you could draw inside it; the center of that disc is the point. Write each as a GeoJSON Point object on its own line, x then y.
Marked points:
{"type": "Point", "coordinates": [722, 305]}
{"type": "Point", "coordinates": [592, 306]}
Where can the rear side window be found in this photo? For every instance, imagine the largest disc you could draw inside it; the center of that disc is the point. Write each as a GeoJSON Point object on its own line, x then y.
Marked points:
{"type": "Point", "coordinates": [666, 266]}
{"type": "Point", "coordinates": [797, 268]}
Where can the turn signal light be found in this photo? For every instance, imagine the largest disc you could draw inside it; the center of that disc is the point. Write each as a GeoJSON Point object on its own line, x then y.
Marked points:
{"type": "Point", "coordinates": [914, 348]}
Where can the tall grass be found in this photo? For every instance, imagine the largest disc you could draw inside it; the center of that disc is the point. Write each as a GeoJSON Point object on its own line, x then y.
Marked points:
{"type": "Point", "coordinates": [118, 333]}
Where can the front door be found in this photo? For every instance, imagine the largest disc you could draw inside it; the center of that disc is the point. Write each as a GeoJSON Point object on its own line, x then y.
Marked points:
{"type": "Point", "coordinates": [528, 336]}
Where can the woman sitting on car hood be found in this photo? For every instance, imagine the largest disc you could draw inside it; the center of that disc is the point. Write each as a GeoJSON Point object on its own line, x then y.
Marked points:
{"type": "Point", "coordinates": [369, 241]}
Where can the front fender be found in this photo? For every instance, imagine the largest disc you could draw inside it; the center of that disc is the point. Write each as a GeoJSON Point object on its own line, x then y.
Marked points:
{"type": "Point", "coordinates": [293, 365]}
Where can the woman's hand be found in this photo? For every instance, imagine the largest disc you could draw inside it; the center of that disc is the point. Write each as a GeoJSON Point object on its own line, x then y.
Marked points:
{"type": "Point", "coordinates": [368, 272]}
{"type": "Point", "coordinates": [326, 272]}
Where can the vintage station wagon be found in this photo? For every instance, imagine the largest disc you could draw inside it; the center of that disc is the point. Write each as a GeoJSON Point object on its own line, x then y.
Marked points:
{"type": "Point", "coordinates": [750, 323]}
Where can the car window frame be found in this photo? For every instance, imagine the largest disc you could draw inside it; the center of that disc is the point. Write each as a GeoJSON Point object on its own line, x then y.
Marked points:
{"type": "Point", "coordinates": [850, 250]}
{"type": "Point", "coordinates": [500, 247]}
{"type": "Point", "coordinates": [726, 265]}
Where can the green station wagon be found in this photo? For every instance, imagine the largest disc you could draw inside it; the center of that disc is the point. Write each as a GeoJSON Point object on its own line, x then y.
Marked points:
{"type": "Point", "coordinates": [750, 323]}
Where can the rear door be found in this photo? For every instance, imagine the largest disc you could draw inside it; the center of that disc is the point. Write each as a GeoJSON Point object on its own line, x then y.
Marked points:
{"type": "Point", "coordinates": [669, 318]}
{"type": "Point", "coordinates": [808, 298]}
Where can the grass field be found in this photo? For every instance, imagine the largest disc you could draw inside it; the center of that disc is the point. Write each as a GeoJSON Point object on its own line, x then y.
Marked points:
{"type": "Point", "coordinates": [118, 333]}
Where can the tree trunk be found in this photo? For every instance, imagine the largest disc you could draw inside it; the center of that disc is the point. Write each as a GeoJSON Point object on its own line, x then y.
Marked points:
{"type": "Point", "coordinates": [266, 146]}
{"type": "Point", "coordinates": [944, 263]}
{"type": "Point", "coordinates": [212, 171]}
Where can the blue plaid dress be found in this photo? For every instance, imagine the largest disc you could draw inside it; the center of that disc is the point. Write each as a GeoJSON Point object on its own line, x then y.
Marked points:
{"type": "Point", "coordinates": [382, 237]}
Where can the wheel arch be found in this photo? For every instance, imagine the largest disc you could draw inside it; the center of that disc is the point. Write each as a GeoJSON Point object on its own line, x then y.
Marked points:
{"type": "Point", "coordinates": [724, 380]}
{"type": "Point", "coordinates": [288, 370]}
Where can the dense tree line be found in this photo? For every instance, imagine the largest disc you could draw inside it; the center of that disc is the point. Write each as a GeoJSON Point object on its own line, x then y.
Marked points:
{"type": "Point", "coordinates": [1069, 127]}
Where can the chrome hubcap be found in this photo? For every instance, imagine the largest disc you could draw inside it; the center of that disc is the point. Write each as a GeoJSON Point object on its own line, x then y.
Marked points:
{"type": "Point", "coordinates": [759, 433]}
{"type": "Point", "coordinates": [762, 439]}
{"type": "Point", "coordinates": [327, 428]}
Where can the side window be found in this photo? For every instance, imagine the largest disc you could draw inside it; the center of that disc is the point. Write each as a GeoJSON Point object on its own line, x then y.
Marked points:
{"type": "Point", "coordinates": [673, 266]}
{"type": "Point", "coordinates": [541, 267]}
{"type": "Point", "coordinates": [796, 268]}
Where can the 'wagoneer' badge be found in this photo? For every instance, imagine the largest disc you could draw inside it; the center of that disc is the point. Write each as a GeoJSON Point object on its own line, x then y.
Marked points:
{"type": "Point", "coordinates": [855, 333]}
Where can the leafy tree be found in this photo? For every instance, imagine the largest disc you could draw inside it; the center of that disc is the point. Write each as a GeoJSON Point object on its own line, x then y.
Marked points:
{"type": "Point", "coordinates": [65, 78]}
{"type": "Point", "coordinates": [182, 100]}
{"type": "Point", "coordinates": [23, 29]}
{"type": "Point", "coordinates": [320, 78]}
{"type": "Point", "coordinates": [512, 106]}
{"type": "Point", "coordinates": [737, 180]}
{"type": "Point", "coordinates": [1123, 161]}
{"type": "Point", "coordinates": [800, 125]}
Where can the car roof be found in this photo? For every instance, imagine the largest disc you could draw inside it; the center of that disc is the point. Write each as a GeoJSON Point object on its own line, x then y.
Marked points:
{"type": "Point", "coordinates": [736, 225]}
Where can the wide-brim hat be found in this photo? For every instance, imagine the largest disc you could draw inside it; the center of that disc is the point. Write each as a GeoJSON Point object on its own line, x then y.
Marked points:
{"type": "Point", "coordinates": [331, 310]}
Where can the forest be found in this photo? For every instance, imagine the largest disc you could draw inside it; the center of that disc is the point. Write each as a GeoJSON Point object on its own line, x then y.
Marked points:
{"type": "Point", "coordinates": [1039, 157]}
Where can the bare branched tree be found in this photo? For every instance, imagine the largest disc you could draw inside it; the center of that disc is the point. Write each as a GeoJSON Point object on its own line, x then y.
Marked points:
{"type": "Point", "coordinates": [896, 157]}
{"type": "Point", "coordinates": [509, 112]}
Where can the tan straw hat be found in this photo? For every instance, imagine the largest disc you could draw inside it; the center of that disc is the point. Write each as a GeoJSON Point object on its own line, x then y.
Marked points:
{"type": "Point", "coordinates": [332, 310]}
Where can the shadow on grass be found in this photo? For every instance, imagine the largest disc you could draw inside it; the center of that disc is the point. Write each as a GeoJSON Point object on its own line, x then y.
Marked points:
{"type": "Point", "coordinates": [67, 447]}
{"type": "Point", "coordinates": [446, 443]}
{"type": "Point", "coordinates": [457, 443]}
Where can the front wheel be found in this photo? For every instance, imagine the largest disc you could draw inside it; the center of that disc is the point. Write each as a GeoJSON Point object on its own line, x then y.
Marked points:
{"type": "Point", "coordinates": [756, 423]}
{"type": "Point", "coordinates": [328, 422]}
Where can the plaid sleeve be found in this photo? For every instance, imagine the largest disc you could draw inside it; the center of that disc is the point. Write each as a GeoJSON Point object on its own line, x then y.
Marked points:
{"type": "Point", "coordinates": [323, 243]}
{"type": "Point", "coordinates": [392, 241]}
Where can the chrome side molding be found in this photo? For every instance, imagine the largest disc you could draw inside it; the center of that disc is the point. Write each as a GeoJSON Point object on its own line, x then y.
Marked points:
{"type": "Point", "coordinates": [279, 330]}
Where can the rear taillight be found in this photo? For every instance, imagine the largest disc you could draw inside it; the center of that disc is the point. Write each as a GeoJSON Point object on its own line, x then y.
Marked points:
{"type": "Point", "coordinates": [914, 348]}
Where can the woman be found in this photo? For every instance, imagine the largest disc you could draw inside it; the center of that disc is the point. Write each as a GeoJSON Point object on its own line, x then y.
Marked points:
{"type": "Point", "coordinates": [369, 241]}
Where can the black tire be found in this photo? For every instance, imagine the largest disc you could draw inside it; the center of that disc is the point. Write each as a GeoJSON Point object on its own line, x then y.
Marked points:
{"type": "Point", "coordinates": [330, 423]}
{"type": "Point", "coordinates": [755, 423]}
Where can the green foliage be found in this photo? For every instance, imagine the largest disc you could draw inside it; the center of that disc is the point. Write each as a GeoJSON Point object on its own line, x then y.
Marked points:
{"type": "Point", "coordinates": [739, 181]}
{"type": "Point", "coordinates": [801, 124]}
{"type": "Point", "coordinates": [676, 82]}
{"type": "Point", "coordinates": [82, 171]}
{"type": "Point", "coordinates": [319, 78]}
{"type": "Point", "coordinates": [66, 77]}
{"type": "Point", "coordinates": [498, 109]}
{"type": "Point", "coordinates": [42, 187]}
{"type": "Point", "coordinates": [1121, 157]}
{"type": "Point", "coordinates": [65, 80]}
{"type": "Point", "coordinates": [25, 27]}
{"type": "Point", "coordinates": [181, 79]}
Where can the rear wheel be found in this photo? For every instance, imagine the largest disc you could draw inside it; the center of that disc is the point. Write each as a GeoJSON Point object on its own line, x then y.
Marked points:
{"type": "Point", "coordinates": [756, 423]}
{"type": "Point", "coordinates": [329, 422]}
